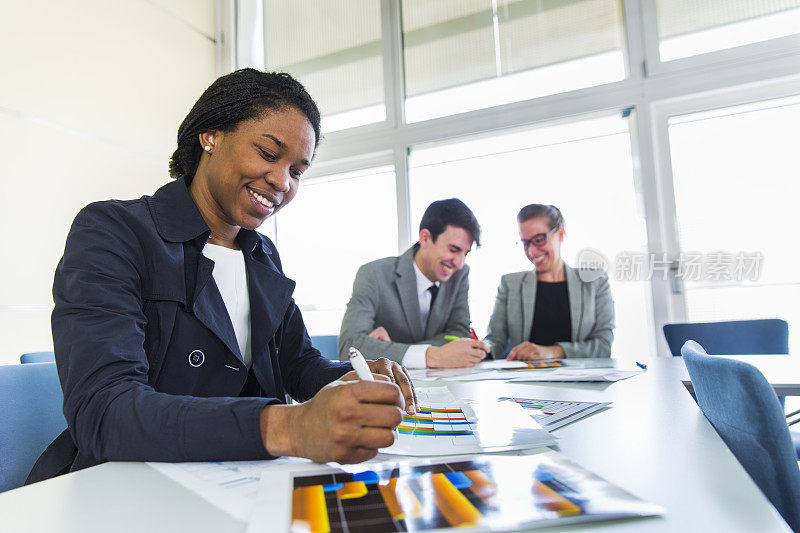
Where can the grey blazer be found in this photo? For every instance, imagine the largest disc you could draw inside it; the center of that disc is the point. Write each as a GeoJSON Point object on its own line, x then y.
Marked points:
{"type": "Point", "coordinates": [590, 305]}
{"type": "Point", "coordinates": [385, 294]}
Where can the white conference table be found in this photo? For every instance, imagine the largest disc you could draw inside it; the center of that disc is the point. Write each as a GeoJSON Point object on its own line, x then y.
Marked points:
{"type": "Point", "coordinates": [653, 442]}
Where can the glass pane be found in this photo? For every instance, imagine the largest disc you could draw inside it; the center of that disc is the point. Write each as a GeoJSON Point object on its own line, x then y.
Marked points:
{"type": "Point", "coordinates": [688, 27]}
{"type": "Point", "coordinates": [335, 225]}
{"type": "Point", "coordinates": [335, 52]}
{"type": "Point", "coordinates": [584, 168]}
{"type": "Point", "coordinates": [462, 55]}
{"type": "Point", "coordinates": [735, 174]}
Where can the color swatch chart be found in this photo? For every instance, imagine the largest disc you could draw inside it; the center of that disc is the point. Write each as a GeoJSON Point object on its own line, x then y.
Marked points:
{"type": "Point", "coordinates": [532, 365]}
{"type": "Point", "coordinates": [553, 414]}
{"type": "Point", "coordinates": [446, 425]}
{"type": "Point", "coordinates": [498, 493]}
{"type": "Point", "coordinates": [435, 422]}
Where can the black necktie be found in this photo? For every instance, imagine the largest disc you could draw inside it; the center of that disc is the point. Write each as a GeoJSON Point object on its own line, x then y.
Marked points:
{"type": "Point", "coordinates": [434, 290]}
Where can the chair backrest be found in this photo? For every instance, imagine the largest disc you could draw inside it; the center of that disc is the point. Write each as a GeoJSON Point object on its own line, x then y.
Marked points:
{"type": "Point", "coordinates": [743, 408]}
{"type": "Point", "coordinates": [30, 418]}
{"type": "Point", "coordinates": [327, 345]}
{"type": "Point", "coordinates": [735, 337]}
{"type": "Point", "coordinates": [37, 357]}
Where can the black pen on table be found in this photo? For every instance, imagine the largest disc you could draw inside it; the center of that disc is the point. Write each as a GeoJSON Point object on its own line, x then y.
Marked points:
{"type": "Point", "coordinates": [641, 365]}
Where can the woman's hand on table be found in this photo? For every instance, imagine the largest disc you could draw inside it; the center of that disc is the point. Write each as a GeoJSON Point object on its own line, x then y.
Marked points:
{"type": "Point", "coordinates": [528, 351]}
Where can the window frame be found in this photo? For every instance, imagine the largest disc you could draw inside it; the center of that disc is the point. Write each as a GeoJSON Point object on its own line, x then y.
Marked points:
{"type": "Point", "coordinates": [652, 91]}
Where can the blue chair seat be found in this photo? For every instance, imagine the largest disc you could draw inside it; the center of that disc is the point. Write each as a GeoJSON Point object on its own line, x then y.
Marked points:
{"type": "Point", "coordinates": [37, 357]}
{"type": "Point", "coordinates": [743, 408]}
{"type": "Point", "coordinates": [30, 418]}
{"type": "Point", "coordinates": [327, 345]}
{"type": "Point", "coordinates": [734, 337]}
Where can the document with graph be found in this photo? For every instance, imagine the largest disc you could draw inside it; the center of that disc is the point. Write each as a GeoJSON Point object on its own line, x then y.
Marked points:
{"type": "Point", "coordinates": [448, 426]}
{"type": "Point", "coordinates": [553, 414]}
{"type": "Point", "coordinates": [493, 493]}
{"type": "Point", "coordinates": [579, 375]}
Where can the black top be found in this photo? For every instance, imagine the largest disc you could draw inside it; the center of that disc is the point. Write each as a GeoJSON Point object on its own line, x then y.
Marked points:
{"type": "Point", "coordinates": [551, 317]}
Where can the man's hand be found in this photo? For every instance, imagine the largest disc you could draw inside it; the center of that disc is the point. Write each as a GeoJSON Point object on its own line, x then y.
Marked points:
{"type": "Point", "coordinates": [459, 353]}
{"type": "Point", "coordinates": [380, 333]}
{"type": "Point", "coordinates": [528, 351]}
{"type": "Point", "coordinates": [397, 374]}
{"type": "Point", "coordinates": [346, 422]}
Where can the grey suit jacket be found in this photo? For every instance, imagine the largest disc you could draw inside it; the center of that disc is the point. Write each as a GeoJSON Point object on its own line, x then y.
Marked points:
{"type": "Point", "coordinates": [385, 294]}
{"type": "Point", "coordinates": [591, 310]}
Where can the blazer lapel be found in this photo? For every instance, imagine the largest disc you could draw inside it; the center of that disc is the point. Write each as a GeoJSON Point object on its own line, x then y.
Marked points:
{"type": "Point", "coordinates": [575, 294]}
{"type": "Point", "coordinates": [528, 289]}
{"type": "Point", "coordinates": [270, 294]}
{"type": "Point", "coordinates": [209, 307]}
{"type": "Point", "coordinates": [406, 284]}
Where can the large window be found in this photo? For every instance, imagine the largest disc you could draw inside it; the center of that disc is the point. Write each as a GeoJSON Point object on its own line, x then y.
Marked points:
{"type": "Point", "coordinates": [737, 179]}
{"type": "Point", "coordinates": [334, 225]}
{"type": "Point", "coordinates": [584, 168]}
{"type": "Point", "coordinates": [581, 103]}
{"type": "Point", "coordinates": [466, 55]}
{"type": "Point", "coordinates": [335, 51]}
{"type": "Point", "coordinates": [689, 27]}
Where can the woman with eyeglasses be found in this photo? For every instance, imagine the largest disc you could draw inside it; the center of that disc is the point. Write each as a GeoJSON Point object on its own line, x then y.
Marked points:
{"type": "Point", "coordinates": [553, 311]}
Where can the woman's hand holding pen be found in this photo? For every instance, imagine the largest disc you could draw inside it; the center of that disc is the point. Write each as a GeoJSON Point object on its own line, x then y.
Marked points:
{"type": "Point", "coordinates": [346, 422]}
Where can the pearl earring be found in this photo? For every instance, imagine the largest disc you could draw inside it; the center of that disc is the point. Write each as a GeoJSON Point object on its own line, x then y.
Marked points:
{"type": "Point", "coordinates": [207, 148]}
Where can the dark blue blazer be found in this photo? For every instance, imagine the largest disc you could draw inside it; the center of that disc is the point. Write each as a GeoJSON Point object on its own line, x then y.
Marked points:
{"type": "Point", "coordinates": [145, 349]}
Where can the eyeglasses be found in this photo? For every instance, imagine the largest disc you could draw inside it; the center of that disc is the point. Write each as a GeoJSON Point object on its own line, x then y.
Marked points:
{"type": "Point", "coordinates": [538, 239]}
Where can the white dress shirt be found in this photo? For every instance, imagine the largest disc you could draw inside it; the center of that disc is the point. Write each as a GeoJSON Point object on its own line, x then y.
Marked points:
{"type": "Point", "coordinates": [231, 279]}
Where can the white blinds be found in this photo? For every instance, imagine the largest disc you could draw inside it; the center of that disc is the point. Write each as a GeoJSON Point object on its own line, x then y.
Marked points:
{"type": "Point", "coordinates": [679, 17]}
{"type": "Point", "coordinates": [455, 42]}
{"type": "Point", "coordinates": [332, 47]}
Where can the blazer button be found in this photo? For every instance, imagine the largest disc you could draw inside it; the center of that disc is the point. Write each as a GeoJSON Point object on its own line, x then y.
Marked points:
{"type": "Point", "coordinates": [196, 358]}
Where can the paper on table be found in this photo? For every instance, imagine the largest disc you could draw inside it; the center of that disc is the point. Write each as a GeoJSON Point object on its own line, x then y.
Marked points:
{"type": "Point", "coordinates": [231, 485]}
{"type": "Point", "coordinates": [553, 414]}
{"type": "Point", "coordinates": [495, 493]}
{"type": "Point", "coordinates": [484, 368]}
{"type": "Point", "coordinates": [502, 369]}
{"type": "Point", "coordinates": [448, 426]}
{"type": "Point", "coordinates": [578, 375]}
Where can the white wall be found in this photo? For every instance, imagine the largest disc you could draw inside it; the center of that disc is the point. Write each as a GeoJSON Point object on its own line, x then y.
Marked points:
{"type": "Point", "coordinates": [91, 96]}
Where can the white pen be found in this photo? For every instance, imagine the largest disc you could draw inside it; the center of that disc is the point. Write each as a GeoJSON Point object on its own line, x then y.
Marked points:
{"type": "Point", "coordinates": [360, 365]}
{"type": "Point", "coordinates": [364, 373]}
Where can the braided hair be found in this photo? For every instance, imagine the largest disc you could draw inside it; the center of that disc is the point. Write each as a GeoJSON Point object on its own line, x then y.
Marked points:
{"type": "Point", "coordinates": [232, 99]}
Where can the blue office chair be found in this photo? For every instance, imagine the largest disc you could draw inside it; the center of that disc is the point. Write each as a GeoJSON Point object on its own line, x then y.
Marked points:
{"type": "Point", "coordinates": [30, 418]}
{"type": "Point", "coordinates": [735, 337]}
{"type": "Point", "coordinates": [328, 345]}
{"type": "Point", "coordinates": [745, 411]}
{"type": "Point", "coordinates": [37, 357]}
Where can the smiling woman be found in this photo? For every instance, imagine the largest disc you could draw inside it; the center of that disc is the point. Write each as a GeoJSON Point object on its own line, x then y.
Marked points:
{"type": "Point", "coordinates": [176, 335]}
{"type": "Point", "coordinates": [554, 311]}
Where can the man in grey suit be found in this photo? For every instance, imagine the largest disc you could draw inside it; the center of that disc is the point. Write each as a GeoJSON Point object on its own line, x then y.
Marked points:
{"type": "Point", "coordinates": [407, 308]}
